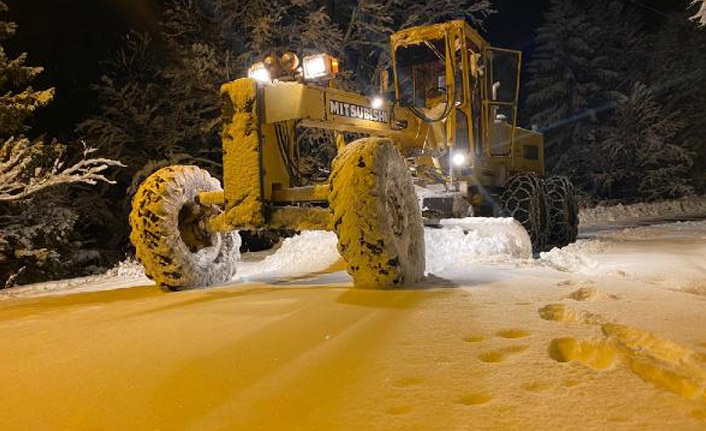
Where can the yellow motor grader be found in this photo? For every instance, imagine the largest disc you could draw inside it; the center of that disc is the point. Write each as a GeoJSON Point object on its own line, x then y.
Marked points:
{"type": "Point", "coordinates": [446, 123]}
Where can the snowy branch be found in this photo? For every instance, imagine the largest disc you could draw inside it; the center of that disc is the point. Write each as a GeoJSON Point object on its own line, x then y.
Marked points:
{"type": "Point", "coordinates": [700, 16]}
{"type": "Point", "coordinates": [21, 175]}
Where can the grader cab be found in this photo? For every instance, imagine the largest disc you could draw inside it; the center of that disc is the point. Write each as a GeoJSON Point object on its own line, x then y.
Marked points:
{"type": "Point", "coordinates": [448, 124]}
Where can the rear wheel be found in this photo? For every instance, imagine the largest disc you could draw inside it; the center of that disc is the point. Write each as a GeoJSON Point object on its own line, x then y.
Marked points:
{"type": "Point", "coordinates": [376, 215]}
{"type": "Point", "coordinates": [169, 235]}
{"type": "Point", "coordinates": [563, 211]}
{"type": "Point", "coordinates": [524, 199]}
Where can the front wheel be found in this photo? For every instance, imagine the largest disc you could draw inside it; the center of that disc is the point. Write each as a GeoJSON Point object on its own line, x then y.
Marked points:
{"type": "Point", "coordinates": [169, 235]}
{"type": "Point", "coordinates": [376, 215]}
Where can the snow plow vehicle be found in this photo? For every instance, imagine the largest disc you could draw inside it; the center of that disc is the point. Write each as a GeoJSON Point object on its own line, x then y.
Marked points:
{"type": "Point", "coordinates": [446, 125]}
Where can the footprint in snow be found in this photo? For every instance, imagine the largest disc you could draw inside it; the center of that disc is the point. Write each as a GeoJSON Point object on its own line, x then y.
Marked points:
{"type": "Point", "coordinates": [474, 338]}
{"type": "Point", "coordinates": [512, 333]}
{"type": "Point", "coordinates": [585, 294]}
{"type": "Point", "coordinates": [502, 354]}
{"type": "Point", "coordinates": [562, 313]}
{"type": "Point", "coordinates": [659, 361]}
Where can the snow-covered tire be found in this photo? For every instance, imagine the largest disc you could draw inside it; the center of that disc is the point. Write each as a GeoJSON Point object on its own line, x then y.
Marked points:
{"type": "Point", "coordinates": [563, 211]}
{"type": "Point", "coordinates": [524, 199]}
{"type": "Point", "coordinates": [376, 215]}
{"type": "Point", "coordinates": [160, 205]}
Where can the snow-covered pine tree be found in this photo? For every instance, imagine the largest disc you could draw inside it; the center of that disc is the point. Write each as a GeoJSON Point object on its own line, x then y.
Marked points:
{"type": "Point", "coordinates": [677, 72]}
{"type": "Point", "coordinates": [34, 226]}
{"type": "Point", "coordinates": [367, 25]}
{"type": "Point", "coordinates": [416, 12]}
{"type": "Point", "coordinates": [276, 26]}
{"type": "Point", "coordinates": [700, 16]}
{"type": "Point", "coordinates": [640, 158]}
{"type": "Point", "coordinates": [568, 83]}
{"type": "Point", "coordinates": [621, 41]}
{"type": "Point", "coordinates": [159, 100]}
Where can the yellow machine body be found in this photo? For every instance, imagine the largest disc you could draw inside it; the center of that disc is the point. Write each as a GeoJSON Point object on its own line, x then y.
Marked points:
{"type": "Point", "coordinates": [479, 102]}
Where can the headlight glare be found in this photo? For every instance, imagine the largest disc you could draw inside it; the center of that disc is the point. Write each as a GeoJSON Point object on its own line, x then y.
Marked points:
{"type": "Point", "coordinates": [259, 72]}
{"type": "Point", "coordinates": [458, 159]}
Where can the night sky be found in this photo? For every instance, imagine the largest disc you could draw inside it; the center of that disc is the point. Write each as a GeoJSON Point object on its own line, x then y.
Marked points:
{"type": "Point", "coordinates": [71, 38]}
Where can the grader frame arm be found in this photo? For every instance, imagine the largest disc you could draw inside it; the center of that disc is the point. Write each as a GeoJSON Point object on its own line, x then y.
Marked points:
{"type": "Point", "coordinates": [258, 186]}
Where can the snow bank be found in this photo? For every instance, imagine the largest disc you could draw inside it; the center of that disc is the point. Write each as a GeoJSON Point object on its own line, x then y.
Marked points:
{"type": "Point", "coordinates": [574, 257]}
{"type": "Point", "coordinates": [307, 252]}
{"type": "Point", "coordinates": [693, 230]}
{"type": "Point", "coordinates": [460, 241]}
{"type": "Point", "coordinates": [686, 207]}
{"type": "Point", "coordinates": [127, 273]}
{"type": "Point", "coordinates": [466, 240]}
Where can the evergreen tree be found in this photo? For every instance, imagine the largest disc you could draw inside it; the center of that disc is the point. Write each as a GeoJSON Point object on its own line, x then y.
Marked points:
{"type": "Point", "coordinates": [700, 16]}
{"type": "Point", "coordinates": [434, 11]}
{"type": "Point", "coordinates": [677, 72]}
{"type": "Point", "coordinates": [601, 122]}
{"type": "Point", "coordinates": [35, 227]}
{"type": "Point", "coordinates": [568, 82]}
{"type": "Point", "coordinates": [622, 42]}
{"type": "Point", "coordinates": [639, 158]}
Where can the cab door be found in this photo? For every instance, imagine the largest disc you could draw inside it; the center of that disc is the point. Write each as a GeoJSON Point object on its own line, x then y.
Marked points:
{"type": "Point", "coordinates": [502, 89]}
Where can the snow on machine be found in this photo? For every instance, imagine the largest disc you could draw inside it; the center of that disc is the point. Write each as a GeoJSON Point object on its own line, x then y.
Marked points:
{"type": "Point", "coordinates": [446, 126]}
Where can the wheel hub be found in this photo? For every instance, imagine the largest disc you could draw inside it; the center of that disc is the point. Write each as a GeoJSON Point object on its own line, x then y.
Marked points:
{"type": "Point", "coordinates": [192, 226]}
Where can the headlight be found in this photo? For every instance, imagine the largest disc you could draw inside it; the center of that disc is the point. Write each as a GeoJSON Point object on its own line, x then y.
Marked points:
{"type": "Point", "coordinates": [458, 159]}
{"type": "Point", "coordinates": [377, 102]}
{"type": "Point", "coordinates": [321, 66]}
{"type": "Point", "coordinates": [259, 72]}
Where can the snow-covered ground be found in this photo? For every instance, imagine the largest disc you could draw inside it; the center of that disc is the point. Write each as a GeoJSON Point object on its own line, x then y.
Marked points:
{"type": "Point", "coordinates": [607, 333]}
{"type": "Point", "coordinates": [471, 240]}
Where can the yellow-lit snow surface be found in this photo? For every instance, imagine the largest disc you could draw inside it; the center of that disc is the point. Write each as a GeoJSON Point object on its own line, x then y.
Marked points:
{"type": "Point", "coordinates": [606, 334]}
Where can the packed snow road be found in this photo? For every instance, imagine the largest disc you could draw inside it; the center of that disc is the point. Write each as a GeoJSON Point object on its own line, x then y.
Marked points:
{"type": "Point", "coordinates": [608, 333]}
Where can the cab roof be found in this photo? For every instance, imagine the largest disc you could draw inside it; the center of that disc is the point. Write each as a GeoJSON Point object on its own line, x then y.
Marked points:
{"type": "Point", "coordinates": [414, 35]}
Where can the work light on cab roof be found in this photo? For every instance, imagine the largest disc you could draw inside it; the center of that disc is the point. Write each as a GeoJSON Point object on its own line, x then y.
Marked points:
{"type": "Point", "coordinates": [318, 67]}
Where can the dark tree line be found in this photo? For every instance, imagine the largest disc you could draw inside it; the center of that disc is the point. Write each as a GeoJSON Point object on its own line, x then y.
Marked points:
{"type": "Point", "coordinates": [622, 108]}
{"type": "Point", "coordinates": [38, 213]}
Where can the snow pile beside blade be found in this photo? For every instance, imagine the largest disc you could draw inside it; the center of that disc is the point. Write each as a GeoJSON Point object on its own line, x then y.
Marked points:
{"type": "Point", "coordinates": [473, 239]}
{"type": "Point", "coordinates": [459, 241]}
{"type": "Point", "coordinates": [307, 252]}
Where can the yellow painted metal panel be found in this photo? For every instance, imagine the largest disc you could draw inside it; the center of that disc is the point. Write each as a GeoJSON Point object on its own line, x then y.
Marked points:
{"type": "Point", "coordinates": [317, 193]}
{"type": "Point", "coordinates": [299, 218]}
{"type": "Point", "coordinates": [242, 174]}
{"type": "Point", "coordinates": [293, 100]}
